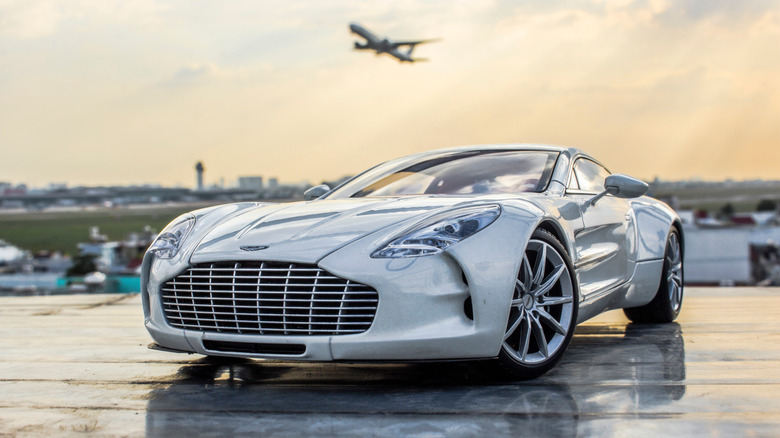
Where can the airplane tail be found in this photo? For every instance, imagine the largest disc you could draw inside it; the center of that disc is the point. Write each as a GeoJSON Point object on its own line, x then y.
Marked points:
{"type": "Point", "coordinates": [410, 59]}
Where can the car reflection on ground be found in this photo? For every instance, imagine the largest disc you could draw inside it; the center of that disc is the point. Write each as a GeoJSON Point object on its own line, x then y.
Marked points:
{"type": "Point", "coordinates": [636, 367]}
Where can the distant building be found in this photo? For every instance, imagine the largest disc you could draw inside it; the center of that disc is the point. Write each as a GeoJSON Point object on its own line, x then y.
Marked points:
{"type": "Point", "coordinates": [273, 183]}
{"type": "Point", "coordinates": [53, 187]}
{"type": "Point", "coordinates": [7, 189]}
{"type": "Point", "coordinates": [250, 182]}
{"type": "Point", "coordinates": [200, 169]}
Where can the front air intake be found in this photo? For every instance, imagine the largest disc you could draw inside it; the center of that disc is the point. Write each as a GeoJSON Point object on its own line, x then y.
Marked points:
{"type": "Point", "coordinates": [267, 298]}
{"type": "Point", "coordinates": [251, 347]}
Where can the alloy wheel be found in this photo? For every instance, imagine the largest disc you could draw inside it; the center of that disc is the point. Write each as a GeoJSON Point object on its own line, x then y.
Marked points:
{"type": "Point", "coordinates": [674, 277]}
{"type": "Point", "coordinates": [542, 306]}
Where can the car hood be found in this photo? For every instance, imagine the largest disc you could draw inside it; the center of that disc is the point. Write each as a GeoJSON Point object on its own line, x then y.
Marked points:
{"type": "Point", "coordinates": [307, 231]}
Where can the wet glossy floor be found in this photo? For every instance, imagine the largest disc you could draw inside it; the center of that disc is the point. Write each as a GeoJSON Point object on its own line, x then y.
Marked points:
{"type": "Point", "coordinates": [80, 364]}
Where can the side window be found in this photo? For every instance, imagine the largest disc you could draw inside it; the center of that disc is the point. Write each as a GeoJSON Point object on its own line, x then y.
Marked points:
{"type": "Point", "coordinates": [590, 176]}
{"type": "Point", "coordinates": [573, 185]}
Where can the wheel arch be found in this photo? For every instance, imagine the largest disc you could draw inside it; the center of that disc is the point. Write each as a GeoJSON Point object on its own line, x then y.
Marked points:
{"type": "Point", "coordinates": [654, 221]}
{"type": "Point", "coordinates": [677, 225]}
{"type": "Point", "coordinates": [557, 231]}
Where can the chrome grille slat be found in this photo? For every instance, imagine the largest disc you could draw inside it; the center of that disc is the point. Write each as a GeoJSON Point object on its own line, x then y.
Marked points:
{"type": "Point", "coordinates": [272, 277]}
{"type": "Point", "coordinates": [199, 283]}
{"type": "Point", "coordinates": [280, 308]}
{"type": "Point", "coordinates": [277, 323]}
{"type": "Point", "coordinates": [277, 332]}
{"type": "Point", "coordinates": [267, 298]}
{"type": "Point", "coordinates": [255, 270]}
{"type": "Point", "coordinates": [254, 292]}
{"type": "Point", "coordinates": [282, 300]}
{"type": "Point", "coordinates": [262, 314]}
{"type": "Point", "coordinates": [259, 283]}
{"type": "Point", "coordinates": [233, 286]}
{"type": "Point", "coordinates": [255, 306]}
{"type": "Point", "coordinates": [314, 297]}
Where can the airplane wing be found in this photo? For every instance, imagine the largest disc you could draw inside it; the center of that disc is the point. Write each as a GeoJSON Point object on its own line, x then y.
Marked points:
{"type": "Point", "coordinates": [405, 56]}
{"type": "Point", "coordinates": [413, 43]}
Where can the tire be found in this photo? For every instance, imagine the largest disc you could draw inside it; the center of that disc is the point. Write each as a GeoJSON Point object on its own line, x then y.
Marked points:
{"type": "Point", "coordinates": [667, 302]}
{"type": "Point", "coordinates": [543, 311]}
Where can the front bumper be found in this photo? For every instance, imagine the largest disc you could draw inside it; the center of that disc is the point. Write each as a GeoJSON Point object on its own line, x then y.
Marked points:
{"type": "Point", "coordinates": [422, 312]}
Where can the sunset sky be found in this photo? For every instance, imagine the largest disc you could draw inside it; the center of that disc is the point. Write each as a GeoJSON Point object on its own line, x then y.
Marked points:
{"type": "Point", "coordinates": [128, 92]}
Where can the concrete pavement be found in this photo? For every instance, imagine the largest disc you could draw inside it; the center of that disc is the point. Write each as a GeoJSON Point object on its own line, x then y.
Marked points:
{"type": "Point", "coordinates": [74, 364]}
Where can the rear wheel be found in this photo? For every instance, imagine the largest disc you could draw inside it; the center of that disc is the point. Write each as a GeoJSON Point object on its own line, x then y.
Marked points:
{"type": "Point", "coordinates": [543, 311]}
{"type": "Point", "coordinates": [668, 299]}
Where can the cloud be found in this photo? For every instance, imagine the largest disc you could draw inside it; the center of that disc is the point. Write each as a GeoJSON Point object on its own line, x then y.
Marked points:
{"type": "Point", "coordinates": [193, 73]}
{"type": "Point", "coordinates": [724, 12]}
{"type": "Point", "coordinates": [631, 13]}
{"type": "Point", "coordinates": [26, 19]}
{"type": "Point", "coordinates": [202, 73]}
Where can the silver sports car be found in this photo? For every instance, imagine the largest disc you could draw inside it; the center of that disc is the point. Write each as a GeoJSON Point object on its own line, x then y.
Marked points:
{"type": "Point", "coordinates": [469, 253]}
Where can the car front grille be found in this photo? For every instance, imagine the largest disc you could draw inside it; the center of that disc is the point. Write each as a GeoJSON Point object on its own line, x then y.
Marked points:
{"type": "Point", "coordinates": [267, 298]}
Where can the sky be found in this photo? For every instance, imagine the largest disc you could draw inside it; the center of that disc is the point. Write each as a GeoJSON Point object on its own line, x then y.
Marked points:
{"type": "Point", "coordinates": [103, 92]}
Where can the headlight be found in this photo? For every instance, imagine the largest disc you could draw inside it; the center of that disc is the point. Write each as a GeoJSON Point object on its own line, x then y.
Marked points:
{"type": "Point", "coordinates": [170, 239]}
{"type": "Point", "coordinates": [439, 232]}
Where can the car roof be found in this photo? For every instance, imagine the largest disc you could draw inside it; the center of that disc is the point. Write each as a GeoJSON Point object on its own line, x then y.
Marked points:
{"type": "Point", "coordinates": [508, 147]}
{"type": "Point", "coordinates": [560, 174]}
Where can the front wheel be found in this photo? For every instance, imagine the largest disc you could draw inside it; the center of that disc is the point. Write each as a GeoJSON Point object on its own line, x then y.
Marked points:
{"type": "Point", "coordinates": [543, 311]}
{"type": "Point", "coordinates": [667, 302]}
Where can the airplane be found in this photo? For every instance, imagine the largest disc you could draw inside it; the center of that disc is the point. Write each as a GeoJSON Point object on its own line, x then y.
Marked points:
{"type": "Point", "coordinates": [386, 45]}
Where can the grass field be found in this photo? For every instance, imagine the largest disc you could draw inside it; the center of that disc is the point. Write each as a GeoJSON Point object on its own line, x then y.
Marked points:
{"type": "Point", "coordinates": [61, 231]}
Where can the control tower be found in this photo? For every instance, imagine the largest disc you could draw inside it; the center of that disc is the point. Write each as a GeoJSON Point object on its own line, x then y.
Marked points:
{"type": "Point", "coordinates": [199, 169]}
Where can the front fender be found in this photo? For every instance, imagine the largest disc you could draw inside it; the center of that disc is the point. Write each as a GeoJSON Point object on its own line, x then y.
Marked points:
{"type": "Point", "coordinates": [423, 301]}
{"type": "Point", "coordinates": [155, 271]}
{"type": "Point", "coordinates": [491, 264]}
{"type": "Point", "coordinates": [205, 220]}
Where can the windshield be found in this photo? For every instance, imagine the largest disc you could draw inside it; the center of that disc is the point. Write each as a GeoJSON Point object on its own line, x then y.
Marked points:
{"type": "Point", "coordinates": [455, 173]}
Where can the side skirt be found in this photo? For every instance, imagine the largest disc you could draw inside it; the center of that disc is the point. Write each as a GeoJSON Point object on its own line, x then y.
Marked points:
{"type": "Point", "coordinates": [637, 291]}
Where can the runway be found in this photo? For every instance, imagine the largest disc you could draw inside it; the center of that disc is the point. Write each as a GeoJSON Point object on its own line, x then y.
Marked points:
{"type": "Point", "coordinates": [71, 364]}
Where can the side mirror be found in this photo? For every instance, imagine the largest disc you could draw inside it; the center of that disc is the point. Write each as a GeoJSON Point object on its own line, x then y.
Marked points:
{"type": "Point", "coordinates": [315, 192]}
{"type": "Point", "coordinates": [622, 186]}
